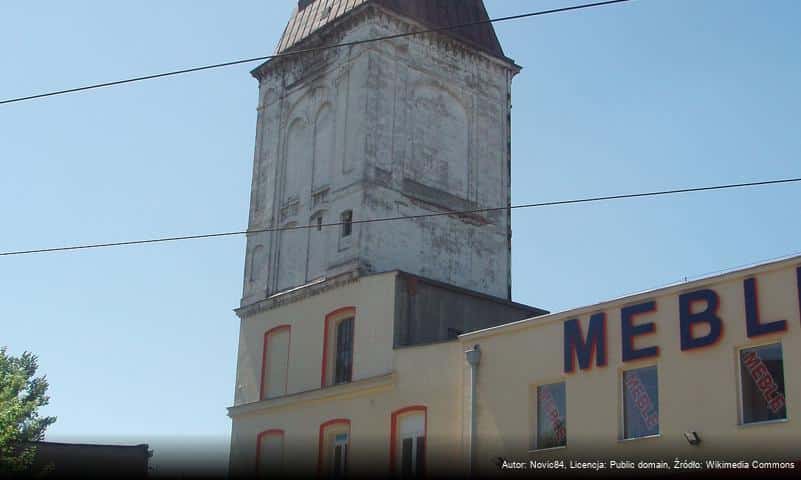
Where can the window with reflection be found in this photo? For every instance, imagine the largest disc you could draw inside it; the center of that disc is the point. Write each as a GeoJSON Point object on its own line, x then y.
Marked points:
{"type": "Point", "coordinates": [762, 384]}
{"type": "Point", "coordinates": [338, 347]}
{"type": "Point", "coordinates": [640, 403]}
{"type": "Point", "coordinates": [551, 416]}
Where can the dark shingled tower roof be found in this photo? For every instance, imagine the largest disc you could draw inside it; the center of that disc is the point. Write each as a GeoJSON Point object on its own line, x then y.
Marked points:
{"type": "Point", "coordinates": [312, 15]}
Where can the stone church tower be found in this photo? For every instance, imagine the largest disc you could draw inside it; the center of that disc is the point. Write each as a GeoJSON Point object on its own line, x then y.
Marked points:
{"type": "Point", "coordinates": [411, 126]}
{"type": "Point", "coordinates": [342, 327]}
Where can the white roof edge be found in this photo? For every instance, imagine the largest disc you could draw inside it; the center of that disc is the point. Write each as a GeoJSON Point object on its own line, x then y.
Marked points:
{"type": "Point", "coordinates": [741, 270]}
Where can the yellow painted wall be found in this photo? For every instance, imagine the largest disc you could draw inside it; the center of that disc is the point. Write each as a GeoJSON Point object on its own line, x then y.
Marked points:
{"type": "Point", "coordinates": [420, 379]}
{"type": "Point", "coordinates": [698, 390]}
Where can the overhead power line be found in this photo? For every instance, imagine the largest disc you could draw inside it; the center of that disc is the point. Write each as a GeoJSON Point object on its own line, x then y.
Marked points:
{"type": "Point", "coordinates": [307, 50]}
{"type": "Point", "coordinates": [408, 217]}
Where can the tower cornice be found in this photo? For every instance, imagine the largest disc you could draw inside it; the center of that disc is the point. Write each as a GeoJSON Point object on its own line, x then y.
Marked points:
{"type": "Point", "coordinates": [335, 32]}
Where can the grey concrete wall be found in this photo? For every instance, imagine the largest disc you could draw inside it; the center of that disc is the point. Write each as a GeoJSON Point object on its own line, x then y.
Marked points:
{"type": "Point", "coordinates": [427, 311]}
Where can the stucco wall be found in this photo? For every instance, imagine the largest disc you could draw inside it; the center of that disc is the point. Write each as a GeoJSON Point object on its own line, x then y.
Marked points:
{"type": "Point", "coordinates": [698, 389]}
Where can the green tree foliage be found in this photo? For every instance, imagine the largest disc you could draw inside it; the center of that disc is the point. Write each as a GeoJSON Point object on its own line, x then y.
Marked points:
{"type": "Point", "coordinates": [21, 395]}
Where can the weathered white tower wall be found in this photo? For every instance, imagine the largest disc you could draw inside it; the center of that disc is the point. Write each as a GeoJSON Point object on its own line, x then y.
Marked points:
{"type": "Point", "coordinates": [412, 126]}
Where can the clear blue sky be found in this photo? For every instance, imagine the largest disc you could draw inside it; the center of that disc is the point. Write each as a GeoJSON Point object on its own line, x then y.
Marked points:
{"type": "Point", "coordinates": [139, 343]}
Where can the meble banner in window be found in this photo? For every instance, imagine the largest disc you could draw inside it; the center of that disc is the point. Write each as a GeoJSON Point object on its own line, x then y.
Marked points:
{"type": "Point", "coordinates": [762, 384]}
{"type": "Point", "coordinates": [551, 416]}
{"type": "Point", "coordinates": [640, 403]}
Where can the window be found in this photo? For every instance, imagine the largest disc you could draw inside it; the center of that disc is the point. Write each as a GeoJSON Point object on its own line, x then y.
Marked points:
{"type": "Point", "coordinates": [408, 442]}
{"type": "Point", "coordinates": [551, 416]}
{"type": "Point", "coordinates": [334, 449]}
{"type": "Point", "coordinates": [340, 461]}
{"type": "Point", "coordinates": [346, 230]}
{"type": "Point", "coordinates": [347, 223]}
{"type": "Point", "coordinates": [762, 384]}
{"type": "Point", "coordinates": [270, 453]}
{"type": "Point", "coordinates": [275, 362]}
{"type": "Point", "coordinates": [344, 351]}
{"type": "Point", "coordinates": [338, 347]}
{"type": "Point", "coordinates": [318, 257]}
{"type": "Point", "coordinates": [640, 403]}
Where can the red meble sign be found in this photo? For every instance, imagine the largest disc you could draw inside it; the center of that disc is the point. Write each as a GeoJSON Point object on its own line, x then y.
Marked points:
{"type": "Point", "coordinates": [764, 380]}
{"type": "Point", "coordinates": [642, 400]}
{"type": "Point", "coordinates": [699, 307]}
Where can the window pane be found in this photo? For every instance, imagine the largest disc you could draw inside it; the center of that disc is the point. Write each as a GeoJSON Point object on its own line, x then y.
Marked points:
{"type": "Point", "coordinates": [551, 416]}
{"type": "Point", "coordinates": [344, 351]}
{"type": "Point", "coordinates": [344, 459]}
{"type": "Point", "coordinates": [346, 219]}
{"type": "Point", "coordinates": [336, 472]}
{"type": "Point", "coordinates": [420, 459]}
{"type": "Point", "coordinates": [412, 425]}
{"type": "Point", "coordinates": [762, 380]}
{"type": "Point", "coordinates": [406, 457]}
{"type": "Point", "coordinates": [339, 461]}
{"type": "Point", "coordinates": [640, 403]}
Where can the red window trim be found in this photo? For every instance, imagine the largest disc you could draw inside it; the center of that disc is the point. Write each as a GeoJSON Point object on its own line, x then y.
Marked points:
{"type": "Point", "coordinates": [320, 440]}
{"type": "Point", "coordinates": [339, 312]}
{"type": "Point", "coordinates": [264, 358]}
{"type": "Point", "coordinates": [393, 431]}
{"type": "Point", "coordinates": [259, 438]}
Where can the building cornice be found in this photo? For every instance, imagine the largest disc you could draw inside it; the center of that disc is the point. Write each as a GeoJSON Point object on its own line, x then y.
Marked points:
{"type": "Point", "coordinates": [345, 391]}
{"type": "Point", "coordinates": [442, 37]}
{"type": "Point", "coordinates": [296, 294]}
{"type": "Point", "coordinates": [677, 288]}
{"type": "Point", "coordinates": [337, 29]}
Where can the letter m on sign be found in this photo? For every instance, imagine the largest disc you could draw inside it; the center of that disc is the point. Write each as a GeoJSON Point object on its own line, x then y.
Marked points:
{"type": "Point", "coordinates": [576, 345]}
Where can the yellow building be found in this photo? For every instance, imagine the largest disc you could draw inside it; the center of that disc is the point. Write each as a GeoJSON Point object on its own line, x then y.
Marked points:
{"type": "Point", "coordinates": [700, 370]}
{"type": "Point", "coordinates": [394, 347]}
{"type": "Point", "coordinates": [694, 371]}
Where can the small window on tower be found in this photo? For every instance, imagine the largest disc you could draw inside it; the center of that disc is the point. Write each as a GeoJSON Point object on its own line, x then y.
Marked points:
{"type": "Point", "coordinates": [347, 223]}
{"type": "Point", "coordinates": [319, 222]}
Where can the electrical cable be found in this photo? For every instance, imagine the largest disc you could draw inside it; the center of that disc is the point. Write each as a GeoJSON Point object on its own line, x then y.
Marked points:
{"type": "Point", "coordinates": [409, 217]}
{"type": "Point", "coordinates": [307, 50]}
